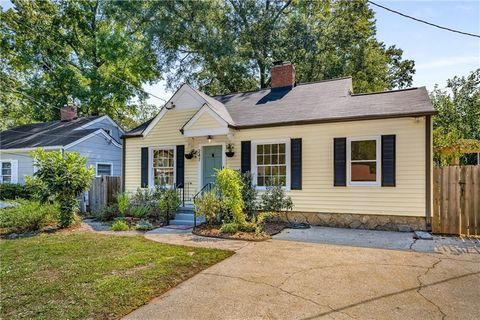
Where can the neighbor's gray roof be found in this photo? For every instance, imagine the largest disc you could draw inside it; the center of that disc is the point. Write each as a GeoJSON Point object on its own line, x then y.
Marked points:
{"type": "Point", "coordinates": [46, 134]}
{"type": "Point", "coordinates": [322, 101]}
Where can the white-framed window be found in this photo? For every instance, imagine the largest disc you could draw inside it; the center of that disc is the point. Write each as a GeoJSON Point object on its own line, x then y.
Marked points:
{"type": "Point", "coordinates": [162, 167]}
{"type": "Point", "coordinates": [104, 169]}
{"type": "Point", "coordinates": [363, 161]}
{"type": "Point", "coordinates": [6, 171]}
{"type": "Point", "coordinates": [271, 163]}
{"type": "Point", "coordinates": [9, 171]}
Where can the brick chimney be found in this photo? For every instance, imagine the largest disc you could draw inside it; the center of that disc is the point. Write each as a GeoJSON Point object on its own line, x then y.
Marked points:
{"type": "Point", "coordinates": [68, 112]}
{"type": "Point", "coordinates": [283, 74]}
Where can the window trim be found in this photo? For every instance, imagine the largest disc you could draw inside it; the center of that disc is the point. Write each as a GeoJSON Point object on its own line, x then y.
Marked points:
{"type": "Point", "coordinates": [378, 160]}
{"type": "Point", "coordinates": [253, 161]}
{"type": "Point", "coordinates": [151, 184]}
{"type": "Point", "coordinates": [11, 170]}
{"type": "Point", "coordinates": [107, 163]}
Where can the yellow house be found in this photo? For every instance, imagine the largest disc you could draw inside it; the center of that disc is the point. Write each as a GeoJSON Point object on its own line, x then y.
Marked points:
{"type": "Point", "coordinates": [350, 160]}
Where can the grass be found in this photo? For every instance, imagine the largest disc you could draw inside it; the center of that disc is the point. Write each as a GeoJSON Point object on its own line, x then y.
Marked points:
{"type": "Point", "coordinates": [88, 275]}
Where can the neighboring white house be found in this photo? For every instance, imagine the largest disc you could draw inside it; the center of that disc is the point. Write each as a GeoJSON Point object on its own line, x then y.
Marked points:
{"type": "Point", "coordinates": [97, 138]}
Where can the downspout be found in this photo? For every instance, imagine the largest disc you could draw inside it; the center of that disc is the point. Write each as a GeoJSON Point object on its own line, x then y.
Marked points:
{"type": "Point", "coordinates": [428, 172]}
{"type": "Point", "coordinates": [124, 145]}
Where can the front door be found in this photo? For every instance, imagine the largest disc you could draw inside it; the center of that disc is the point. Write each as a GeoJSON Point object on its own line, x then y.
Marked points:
{"type": "Point", "coordinates": [212, 160]}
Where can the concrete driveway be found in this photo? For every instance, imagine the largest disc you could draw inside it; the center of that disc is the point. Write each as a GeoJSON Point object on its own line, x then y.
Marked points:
{"type": "Point", "coordinates": [284, 279]}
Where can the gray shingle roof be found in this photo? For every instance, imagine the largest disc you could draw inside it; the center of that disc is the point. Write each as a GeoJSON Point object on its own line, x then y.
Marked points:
{"type": "Point", "coordinates": [46, 134]}
{"type": "Point", "coordinates": [322, 101]}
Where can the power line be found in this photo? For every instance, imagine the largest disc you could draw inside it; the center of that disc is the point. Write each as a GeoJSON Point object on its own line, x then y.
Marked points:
{"type": "Point", "coordinates": [425, 22]}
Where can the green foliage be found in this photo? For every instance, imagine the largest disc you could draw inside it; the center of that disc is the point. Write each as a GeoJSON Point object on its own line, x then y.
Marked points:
{"type": "Point", "coordinates": [120, 225]}
{"type": "Point", "coordinates": [139, 211]}
{"type": "Point", "coordinates": [229, 46]}
{"type": "Point", "coordinates": [209, 205]}
{"type": "Point", "coordinates": [274, 199]}
{"type": "Point", "coordinates": [249, 194]}
{"type": "Point", "coordinates": [229, 227]}
{"type": "Point", "coordinates": [144, 225]}
{"type": "Point", "coordinates": [106, 213]}
{"type": "Point", "coordinates": [168, 204]}
{"type": "Point", "coordinates": [64, 178]}
{"type": "Point", "coordinates": [228, 184]}
{"type": "Point", "coordinates": [12, 191]}
{"type": "Point", "coordinates": [28, 216]}
{"type": "Point", "coordinates": [123, 201]}
{"type": "Point", "coordinates": [458, 116]}
{"type": "Point", "coordinates": [86, 51]}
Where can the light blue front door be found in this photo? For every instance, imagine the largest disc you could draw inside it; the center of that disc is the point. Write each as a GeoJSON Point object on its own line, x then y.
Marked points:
{"type": "Point", "coordinates": [212, 159]}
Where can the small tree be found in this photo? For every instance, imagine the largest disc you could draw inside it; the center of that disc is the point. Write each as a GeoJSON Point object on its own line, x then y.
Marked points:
{"type": "Point", "coordinates": [229, 185]}
{"type": "Point", "coordinates": [168, 203]}
{"type": "Point", "coordinates": [63, 178]}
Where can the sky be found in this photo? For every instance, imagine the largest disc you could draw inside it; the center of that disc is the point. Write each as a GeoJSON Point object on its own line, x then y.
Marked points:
{"type": "Point", "coordinates": [438, 54]}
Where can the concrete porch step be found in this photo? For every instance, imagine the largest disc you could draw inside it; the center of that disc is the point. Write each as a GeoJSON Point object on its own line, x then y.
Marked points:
{"type": "Point", "coordinates": [188, 222]}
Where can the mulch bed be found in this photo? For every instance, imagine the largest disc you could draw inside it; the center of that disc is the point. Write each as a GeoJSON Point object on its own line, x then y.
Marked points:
{"type": "Point", "coordinates": [270, 229]}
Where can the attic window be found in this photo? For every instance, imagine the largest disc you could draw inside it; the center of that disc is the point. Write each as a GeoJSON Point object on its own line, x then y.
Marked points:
{"type": "Point", "coordinates": [108, 131]}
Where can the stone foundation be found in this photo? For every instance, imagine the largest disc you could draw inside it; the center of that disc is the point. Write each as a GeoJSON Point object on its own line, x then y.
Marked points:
{"type": "Point", "coordinates": [358, 221]}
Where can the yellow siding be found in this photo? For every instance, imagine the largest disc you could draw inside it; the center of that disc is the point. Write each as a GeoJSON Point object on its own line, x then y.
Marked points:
{"type": "Point", "coordinates": [206, 121]}
{"type": "Point", "coordinates": [318, 193]}
{"type": "Point", "coordinates": [165, 133]}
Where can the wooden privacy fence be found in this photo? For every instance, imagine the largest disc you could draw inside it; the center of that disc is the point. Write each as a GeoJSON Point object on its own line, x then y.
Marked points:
{"type": "Point", "coordinates": [456, 200]}
{"type": "Point", "coordinates": [101, 193]}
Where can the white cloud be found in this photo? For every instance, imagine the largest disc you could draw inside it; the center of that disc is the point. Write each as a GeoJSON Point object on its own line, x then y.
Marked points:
{"type": "Point", "coordinates": [448, 62]}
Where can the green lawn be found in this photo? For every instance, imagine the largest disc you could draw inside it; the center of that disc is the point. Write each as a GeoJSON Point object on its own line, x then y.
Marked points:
{"type": "Point", "coordinates": [87, 275]}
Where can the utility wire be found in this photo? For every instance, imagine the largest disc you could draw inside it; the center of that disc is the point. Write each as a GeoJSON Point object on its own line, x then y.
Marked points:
{"type": "Point", "coordinates": [423, 21]}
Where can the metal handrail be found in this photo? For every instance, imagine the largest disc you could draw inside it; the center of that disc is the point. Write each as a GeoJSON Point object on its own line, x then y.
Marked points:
{"type": "Point", "coordinates": [206, 188]}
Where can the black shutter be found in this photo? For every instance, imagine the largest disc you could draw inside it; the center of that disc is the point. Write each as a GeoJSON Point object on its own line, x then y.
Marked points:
{"type": "Point", "coordinates": [296, 164]}
{"type": "Point", "coordinates": [388, 160]}
{"type": "Point", "coordinates": [180, 170]}
{"type": "Point", "coordinates": [340, 162]}
{"type": "Point", "coordinates": [144, 171]}
{"type": "Point", "coordinates": [246, 156]}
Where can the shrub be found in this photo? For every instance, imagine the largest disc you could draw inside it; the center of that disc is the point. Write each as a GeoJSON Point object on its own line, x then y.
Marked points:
{"type": "Point", "coordinates": [168, 204]}
{"type": "Point", "coordinates": [107, 213]}
{"type": "Point", "coordinates": [249, 194]}
{"type": "Point", "coordinates": [146, 196]}
{"type": "Point", "coordinates": [139, 211]}
{"type": "Point", "coordinates": [123, 201]}
{"type": "Point", "coordinates": [229, 186]}
{"type": "Point", "coordinates": [144, 225]}
{"type": "Point", "coordinates": [209, 206]}
{"type": "Point", "coordinates": [63, 177]}
{"type": "Point", "coordinates": [28, 216]}
{"type": "Point", "coordinates": [120, 225]}
{"type": "Point", "coordinates": [12, 191]}
{"type": "Point", "coordinates": [247, 227]}
{"type": "Point", "coordinates": [275, 200]}
{"type": "Point", "coordinates": [230, 227]}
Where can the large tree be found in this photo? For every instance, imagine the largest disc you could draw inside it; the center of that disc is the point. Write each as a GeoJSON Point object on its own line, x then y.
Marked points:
{"type": "Point", "coordinates": [97, 53]}
{"type": "Point", "coordinates": [457, 124]}
{"type": "Point", "coordinates": [222, 46]}
{"type": "Point", "coordinates": [56, 52]}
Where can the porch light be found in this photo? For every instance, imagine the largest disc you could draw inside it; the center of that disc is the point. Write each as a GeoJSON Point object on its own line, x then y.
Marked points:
{"type": "Point", "coordinates": [209, 138]}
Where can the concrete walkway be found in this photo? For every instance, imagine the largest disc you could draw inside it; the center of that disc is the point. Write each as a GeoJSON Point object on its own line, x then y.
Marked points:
{"type": "Point", "coordinates": [280, 279]}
